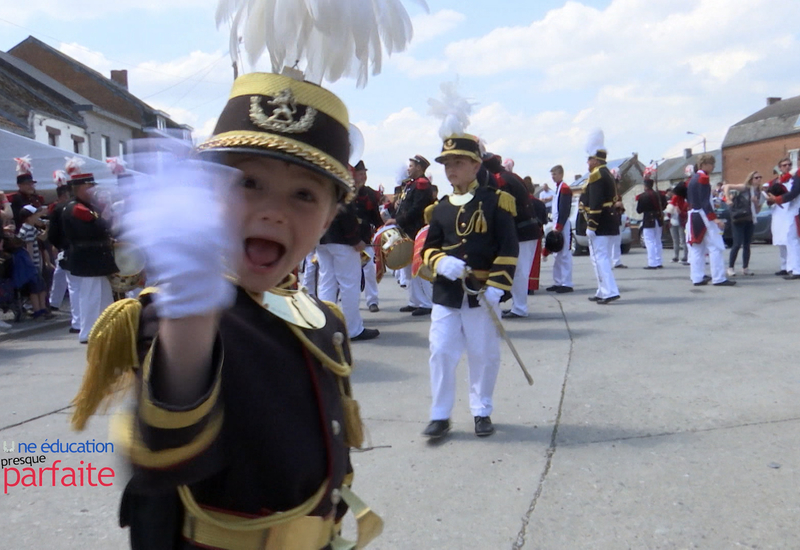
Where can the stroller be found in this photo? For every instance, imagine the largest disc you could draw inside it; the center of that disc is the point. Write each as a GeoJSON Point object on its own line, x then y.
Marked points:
{"type": "Point", "coordinates": [16, 270]}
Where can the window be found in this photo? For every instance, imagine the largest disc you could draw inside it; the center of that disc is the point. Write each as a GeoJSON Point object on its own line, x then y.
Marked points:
{"type": "Point", "coordinates": [52, 136]}
{"type": "Point", "coordinates": [121, 149]}
{"type": "Point", "coordinates": [792, 154]}
{"type": "Point", "coordinates": [77, 145]}
{"type": "Point", "coordinates": [161, 124]}
{"type": "Point", "coordinates": [105, 146]}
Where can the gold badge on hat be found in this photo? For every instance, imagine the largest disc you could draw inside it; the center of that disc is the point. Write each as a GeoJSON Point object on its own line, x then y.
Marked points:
{"type": "Point", "coordinates": [449, 144]}
{"type": "Point", "coordinates": [283, 114]}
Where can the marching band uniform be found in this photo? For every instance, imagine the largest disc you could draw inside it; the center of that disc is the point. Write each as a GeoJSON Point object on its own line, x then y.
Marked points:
{"type": "Point", "coordinates": [781, 220]}
{"type": "Point", "coordinates": [540, 213]}
{"type": "Point", "coordinates": [789, 205]}
{"type": "Point", "coordinates": [90, 256]}
{"type": "Point", "coordinates": [702, 233]}
{"type": "Point", "coordinates": [651, 204]}
{"type": "Point", "coordinates": [528, 232]}
{"type": "Point", "coordinates": [55, 235]}
{"type": "Point", "coordinates": [475, 229]}
{"type": "Point", "coordinates": [602, 223]}
{"type": "Point", "coordinates": [367, 202]}
{"type": "Point", "coordinates": [562, 262]}
{"type": "Point", "coordinates": [417, 194]}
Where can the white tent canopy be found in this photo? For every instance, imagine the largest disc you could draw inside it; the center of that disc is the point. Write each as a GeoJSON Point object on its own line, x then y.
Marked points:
{"type": "Point", "coordinates": [45, 159]}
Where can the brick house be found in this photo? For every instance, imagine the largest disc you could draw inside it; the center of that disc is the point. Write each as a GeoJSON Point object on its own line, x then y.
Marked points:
{"type": "Point", "coordinates": [760, 140]}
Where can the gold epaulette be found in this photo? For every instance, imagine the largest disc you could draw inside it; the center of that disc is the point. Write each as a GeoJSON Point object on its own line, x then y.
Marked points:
{"type": "Point", "coordinates": [594, 176]}
{"type": "Point", "coordinates": [427, 214]}
{"type": "Point", "coordinates": [111, 357]}
{"type": "Point", "coordinates": [507, 202]}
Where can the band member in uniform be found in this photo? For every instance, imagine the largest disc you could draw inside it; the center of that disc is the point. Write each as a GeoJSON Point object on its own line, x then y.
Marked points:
{"type": "Point", "coordinates": [651, 204]}
{"type": "Point", "coordinates": [529, 231]}
{"type": "Point", "coordinates": [790, 203]}
{"type": "Point", "coordinates": [781, 220]}
{"type": "Point", "coordinates": [416, 195]}
{"type": "Point", "coordinates": [367, 204]}
{"type": "Point", "coordinates": [704, 231]}
{"type": "Point", "coordinates": [62, 277]}
{"type": "Point", "coordinates": [339, 257]}
{"type": "Point", "coordinates": [26, 191]}
{"type": "Point", "coordinates": [601, 219]}
{"type": "Point", "coordinates": [472, 228]}
{"type": "Point", "coordinates": [244, 418]}
{"type": "Point", "coordinates": [90, 252]}
{"type": "Point", "coordinates": [561, 210]}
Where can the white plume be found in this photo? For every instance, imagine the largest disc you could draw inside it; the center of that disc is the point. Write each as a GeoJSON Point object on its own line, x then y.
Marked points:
{"type": "Point", "coordinates": [689, 170]}
{"type": "Point", "coordinates": [335, 38]}
{"type": "Point", "coordinates": [23, 165]}
{"type": "Point", "coordinates": [595, 141]}
{"type": "Point", "coordinates": [452, 109]}
{"type": "Point", "coordinates": [74, 165]}
{"type": "Point", "coordinates": [60, 177]}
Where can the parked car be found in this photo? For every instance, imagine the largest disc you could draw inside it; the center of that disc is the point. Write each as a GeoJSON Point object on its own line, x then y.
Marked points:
{"type": "Point", "coordinates": [580, 243]}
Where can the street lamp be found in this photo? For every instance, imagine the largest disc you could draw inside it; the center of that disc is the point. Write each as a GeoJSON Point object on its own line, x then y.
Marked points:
{"type": "Point", "coordinates": [702, 136]}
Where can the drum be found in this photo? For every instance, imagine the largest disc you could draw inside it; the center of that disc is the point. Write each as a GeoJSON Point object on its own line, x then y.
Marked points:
{"type": "Point", "coordinates": [130, 262]}
{"type": "Point", "coordinates": [397, 249]}
{"type": "Point", "coordinates": [418, 268]}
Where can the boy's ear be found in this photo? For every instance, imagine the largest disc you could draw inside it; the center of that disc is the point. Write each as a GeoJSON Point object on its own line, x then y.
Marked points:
{"type": "Point", "coordinates": [332, 214]}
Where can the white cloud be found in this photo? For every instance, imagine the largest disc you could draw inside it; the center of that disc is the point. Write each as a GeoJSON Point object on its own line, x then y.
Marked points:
{"type": "Point", "coordinates": [84, 10]}
{"type": "Point", "coordinates": [430, 26]}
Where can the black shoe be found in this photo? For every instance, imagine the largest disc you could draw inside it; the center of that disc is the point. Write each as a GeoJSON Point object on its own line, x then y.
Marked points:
{"type": "Point", "coordinates": [659, 267]}
{"type": "Point", "coordinates": [511, 315]}
{"type": "Point", "coordinates": [621, 266]}
{"type": "Point", "coordinates": [552, 288]}
{"type": "Point", "coordinates": [74, 330]}
{"type": "Point", "coordinates": [726, 282]}
{"type": "Point", "coordinates": [608, 300]}
{"type": "Point", "coordinates": [564, 289]}
{"type": "Point", "coordinates": [594, 298]}
{"type": "Point", "coordinates": [407, 309]}
{"type": "Point", "coordinates": [437, 429]}
{"type": "Point", "coordinates": [791, 277]}
{"type": "Point", "coordinates": [366, 334]}
{"type": "Point", "coordinates": [531, 292]}
{"type": "Point", "coordinates": [705, 281]}
{"type": "Point", "coordinates": [483, 426]}
{"type": "Point", "coordinates": [373, 308]}
{"type": "Point", "coordinates": [674, 260]}
{"type": "Point", "coordinates": [53, 308]}
{"type": "Point", "coordinates": [650, 267]}
{"type": "Point", "coordinates": [781, 273]}
{"type": "Point", "coordinates": [420, 311]}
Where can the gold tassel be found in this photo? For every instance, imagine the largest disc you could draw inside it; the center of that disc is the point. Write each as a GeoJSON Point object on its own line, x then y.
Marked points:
{"type": "Point", "coordinates": [353, 426]}
{"type": "Point", "coordinates": [111, 358]}
{"type": "Point", "coordinates": [480, 224]}
{"type": "Point", "coordinates": [506, 202]}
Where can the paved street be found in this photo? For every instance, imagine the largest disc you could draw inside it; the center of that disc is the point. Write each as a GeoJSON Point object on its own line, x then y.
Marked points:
{"type": "Point", "coordinates": [668, 419]}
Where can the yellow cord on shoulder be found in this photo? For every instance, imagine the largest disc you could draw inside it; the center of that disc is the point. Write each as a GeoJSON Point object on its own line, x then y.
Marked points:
{"type": "Point", "coordinates": [507, 202]}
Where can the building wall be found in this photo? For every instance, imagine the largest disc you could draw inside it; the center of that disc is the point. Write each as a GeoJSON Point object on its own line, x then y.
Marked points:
{"type": "Point", "coordinates": [98, 127]}
{"type": "Point", "coordinates": [740, 160]}
{"type": "Point", "coordinates": [77, 80]}
{"type": "Point", "coordinates": [41, 123]}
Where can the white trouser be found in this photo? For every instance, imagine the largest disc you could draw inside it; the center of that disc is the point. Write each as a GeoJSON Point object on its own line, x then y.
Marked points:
{"type": "Point", "coordinates": [713, 244]}
{"type": "Point", "coordinates": [793, 251]}
{"type": "Point", "coordinates": [74, 287]}
{"type": "Point", "coordinates": [370, 278]}
{"type": "Point", "coordinates": [782, 252]}
{"type": "Point", "coordinates": [420, 291]}
{"type": "Point", "coordinates": [562, 262]}
{"type": "Point", "coordinates": [652, 241]}
{"type": "Point", "coordinates": [453, 331]}
{"type": "Point", "coordinates": [519, 287]}
{"type": "Point", "coordinates": [403, 275]}
{"type": "Point", "coordinates": [59, 287]}
{"type": "Point", "coordinates": [600, 249]}
{"type": "Point", "coordinates": [616, 250]}
{"type": "Point", "coordinates": [340, 270]}
{"type": "Point", "coordinates": [95, 297]}
{"type": "Point", "coordinates": [310, 273]}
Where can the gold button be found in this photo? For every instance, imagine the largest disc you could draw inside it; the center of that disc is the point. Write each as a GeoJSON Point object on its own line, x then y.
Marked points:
{"type": "Point", "coordinates": [463, 240]}
{"type": "Point", "coordinates": [336, 496]}
{"type": "Point", "coordinates": [338, 338]}
{"type": "Point", "coordinates": [463, 224]}
{"type": "Point", "coordinates": [336, 427]}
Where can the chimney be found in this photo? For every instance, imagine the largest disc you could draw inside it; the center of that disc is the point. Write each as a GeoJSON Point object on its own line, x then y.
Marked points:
{"type": "Point", "coordinates": [687, 153]}
{"type": "Point", "coordinates": [772, 100]}
{"type": "Point", "coordinates": [120, 77]}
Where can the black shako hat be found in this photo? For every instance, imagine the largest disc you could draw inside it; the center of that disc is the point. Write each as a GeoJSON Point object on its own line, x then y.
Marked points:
{"type": "Point", "coordinates": [360, 166]}
{"type": "Point", "coordinates": [81, 179]}
{"type": "Point", "coordinates": [288, 119]}
{"type": "Point", "coordinates": [554, 242]}
{"type": "Point", "coordinates": [465, 145]}
{"type": "Point", "coordinates": [25, 178]}
{"type": "Point", "coordinates": [422, 161]}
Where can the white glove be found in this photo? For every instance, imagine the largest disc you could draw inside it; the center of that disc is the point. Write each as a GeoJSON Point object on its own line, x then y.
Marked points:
{"type": "Point", "coordinates": [492, 295]}
{"type": "Point", "coordinates": [591, 233]}
{"type": "Point", "coordinates": [451, 268]}
{"type": "Point", "coordinates": [176, 216]}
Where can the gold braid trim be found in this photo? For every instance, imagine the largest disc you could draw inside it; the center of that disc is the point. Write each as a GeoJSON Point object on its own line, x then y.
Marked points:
{"type": "Point", "coordinates": [427, 214]}
{"type": "Point", "coordinates": [262, 140]}
{"type": "Point", "coordinates": [111, 358]}
{"type": "Point", "coordinates": [507, 202]}
{"type": "Point", "coordinates": [480, 222]}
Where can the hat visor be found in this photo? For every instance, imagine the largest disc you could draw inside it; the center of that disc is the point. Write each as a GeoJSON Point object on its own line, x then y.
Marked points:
{"type": "Point", "coordinates": [215, 153]}
{"type": "Point", "coordinates": [460, 153]}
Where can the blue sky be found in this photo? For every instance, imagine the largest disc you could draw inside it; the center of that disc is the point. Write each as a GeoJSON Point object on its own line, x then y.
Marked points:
{"type": "Point", "coordinates": [542, 73]}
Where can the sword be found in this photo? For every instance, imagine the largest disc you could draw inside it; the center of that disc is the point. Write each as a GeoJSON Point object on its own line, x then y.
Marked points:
{"type": "Point", "coordinates": [497, 323]}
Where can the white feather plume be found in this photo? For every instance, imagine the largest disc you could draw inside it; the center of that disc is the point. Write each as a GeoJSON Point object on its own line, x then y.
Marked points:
{"type": "Point", "coordinates": [595, 141]}
{"type": "Point", "coordinates": [327, 39]}
{"type": "Point", "coordinates": [452, 109]}
{"type": "Point", "coordinates": [74, 165]}
{"type": "Point", "coordinates": [23, 165]}
{"type": "Point", "coordinates": [60, 177]}
{"type": "Point", "coordinates": [689, 170]}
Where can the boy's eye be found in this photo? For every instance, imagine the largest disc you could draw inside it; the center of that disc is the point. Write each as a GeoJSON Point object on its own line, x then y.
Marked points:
{"type": "Point", "coordinates": [249, 183]}
{"type": "Point", "coordinates": [306, 195]}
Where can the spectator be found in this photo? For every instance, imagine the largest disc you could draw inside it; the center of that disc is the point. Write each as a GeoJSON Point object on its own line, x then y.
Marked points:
{"type": "Point", "coordinates": [546, 196]}
{"type": "Point", "coordinates": [29, 234]}
{"type": "Point", "coordinates": [678, 210]}
{"type": "Point", "coordinates": [744, 201]}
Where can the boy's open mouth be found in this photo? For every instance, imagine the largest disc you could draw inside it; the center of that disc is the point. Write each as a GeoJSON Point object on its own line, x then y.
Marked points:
{"type": "Point", "coordinates": [263, 252]}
